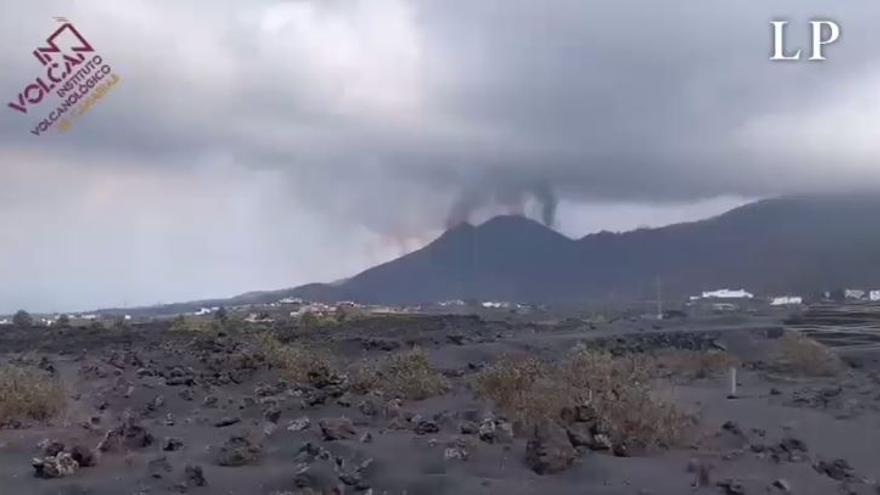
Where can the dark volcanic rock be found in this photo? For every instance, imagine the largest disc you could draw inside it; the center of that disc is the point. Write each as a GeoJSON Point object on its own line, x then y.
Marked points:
{"type": "Point", "coordinates": [194, 476]}
{"type": "Point", "coordinates": [549, 450]}
{"type": "Point", "coordinates": [238, 451]}
{"type": "Point", "coordinates": [837, 469]}
{"type": "Point", "coordinates": [53, 448]}
{"type": "Point", "coordinates": [732, 487]}
{"type": "Point", "coordinates": [426, 427]}
{"type": "Point", "coordinates": [494, 430]}
{"type": "Point", "coordinates": [316, 478]}
{"type": "Point", "coordinates": [227, 421]}
{"type": "Point", "coordinates": [788, 449]}
{"type": "Point", "coordinates": [468, 428]}
{"type": "Point", "coordinates": [179, 381]}
{"type": "Point", "coordinates": [368, 407]}
{"type": "Point", "coordinates": [55, 466]}
{"type": "Point", "coordinates": [272, 414]}
{"type": "Point", "coordinates": [579, 435]}
{"type": "Point", "coordinates": [337, 428]}
{"type": "Point", "coordinates": [299, 424]}
{"type": "Point", "coordinates": [170, 444]}
{"type": "Point", "coordinates": [128, 435]}
{"type": "Point", "coordinates": [84, 456]}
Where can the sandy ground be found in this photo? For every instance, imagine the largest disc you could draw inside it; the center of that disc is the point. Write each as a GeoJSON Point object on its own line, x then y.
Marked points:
{"type": "Point", "coordinates": [782, 433]}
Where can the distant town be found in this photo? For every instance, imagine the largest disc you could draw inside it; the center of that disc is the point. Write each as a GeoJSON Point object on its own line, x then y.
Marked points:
{"type": "Point", "coordinates": [708, 302]}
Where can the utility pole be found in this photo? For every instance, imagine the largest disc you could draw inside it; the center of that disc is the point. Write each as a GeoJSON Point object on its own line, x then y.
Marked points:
{"type": "Point", "coordinates": [659, 299]}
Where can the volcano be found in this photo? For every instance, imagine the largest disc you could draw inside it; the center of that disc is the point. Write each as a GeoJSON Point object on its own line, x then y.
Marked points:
{"type": "Point", "coordinates": [801, 245]}
{"type": "Point", "coordinates": [796, 244]}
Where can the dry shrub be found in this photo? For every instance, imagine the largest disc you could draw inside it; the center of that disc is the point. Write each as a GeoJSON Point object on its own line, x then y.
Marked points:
{"type": "Point", "coordinates": [28, 393]}
{"type": "Point", "coordinates": [298, 364]}
{"type": "Point", "coordinates": [620, 391]}
{"type": "Point", "coordinates": [524, 388]}
{"type": "Point", "coordinates": [617, 390]}
{"type": "Point", "coordinates": [696, 364]}
{"type": "Point", "coordinates": [406, 375]}
{"type": "Point", "coordinates": [803, 355]}
{"type": "Point", "coordinates": [193, 325]}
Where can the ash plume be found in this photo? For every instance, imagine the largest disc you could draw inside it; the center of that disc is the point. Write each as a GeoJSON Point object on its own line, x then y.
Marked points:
{"type": "Point", "coordinates": [512, 198]}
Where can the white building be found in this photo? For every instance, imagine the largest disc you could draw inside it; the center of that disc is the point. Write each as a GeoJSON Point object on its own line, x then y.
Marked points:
{"type": "Point", "coordinates": [290, 300]}
{"type": "Point", "coordinates": [874, 295]}
{"type": "Point", "coordinates": [315, 308]}
{"type": "Point", "coordinates": [495, 304]}
{"type": "Point", "coordinates": [727, 294]}
{"type": "Point", "coordinates": [787, 301]}
{"type": "Point", "coordinates": [857, 294]}
{"type": "Point", "coordinates": [452, 302]}
{"type": "Point", "coordinates": [258, 318]}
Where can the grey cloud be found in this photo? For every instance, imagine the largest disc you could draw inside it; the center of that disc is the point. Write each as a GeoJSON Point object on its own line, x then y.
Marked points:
{"type": "Point", "coordinates": [402, 116]}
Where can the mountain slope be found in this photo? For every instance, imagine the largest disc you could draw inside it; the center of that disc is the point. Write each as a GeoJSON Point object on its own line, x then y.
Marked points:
{"type": "Point", "coordinates": [507, 257]}
{"type": "Point", "coordinates": [796, 245]}
{"type": "Point", "coordinates": [799, 244]}
{"type": "Point", "coordinates": [802, 244]}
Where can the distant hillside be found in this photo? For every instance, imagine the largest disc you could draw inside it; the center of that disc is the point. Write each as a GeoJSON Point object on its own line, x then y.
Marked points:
{"type": "Point", "coordinates": [799, 244]}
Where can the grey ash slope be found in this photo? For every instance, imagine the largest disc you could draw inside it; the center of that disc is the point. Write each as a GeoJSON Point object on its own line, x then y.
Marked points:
{"type": "Point", "coordinates": [798, 244]}
{"type": "Point", "coordinates": [508, 257]}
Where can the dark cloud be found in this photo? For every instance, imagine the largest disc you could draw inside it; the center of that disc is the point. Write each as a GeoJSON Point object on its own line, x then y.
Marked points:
{"type": "Point", "coordinates": [400, 117]}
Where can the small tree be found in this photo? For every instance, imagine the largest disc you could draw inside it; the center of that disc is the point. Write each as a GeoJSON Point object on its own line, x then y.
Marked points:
{"type": "Point", "coordinates": [22, 319]}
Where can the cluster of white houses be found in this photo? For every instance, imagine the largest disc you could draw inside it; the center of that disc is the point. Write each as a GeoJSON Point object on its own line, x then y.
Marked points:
{"type": "Point", "coordinates": [733, 298]}
{"type": "Point", "coordinates": [861, 295]}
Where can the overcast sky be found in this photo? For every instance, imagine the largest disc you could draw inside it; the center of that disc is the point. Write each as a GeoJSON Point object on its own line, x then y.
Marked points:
{"type": "Point", "coordinates": [255, 145]}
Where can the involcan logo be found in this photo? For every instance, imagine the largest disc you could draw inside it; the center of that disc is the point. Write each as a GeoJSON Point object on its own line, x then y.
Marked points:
{"type": "Point", "coordinates": [73, 75]}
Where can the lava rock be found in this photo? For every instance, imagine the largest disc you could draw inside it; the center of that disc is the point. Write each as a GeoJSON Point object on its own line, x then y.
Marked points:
{"type": "Point", "coordinates": [368, 407]}
{"type": "Point", "coordinates": [239, 451]}
{"type": "Point", "coordinates": [128, 435]}
{"type": "Point", "coordinates": [337, 428]}
{"type": "Point", "coordinates": [468, 428]}
{"type": "Point", "coordinates": [426, 427]}
{"type": "Point", "coordinates": [227, 421]}
{"type": "Point", "coordinates": [56, 466]}
{"type": "Point", "coordinates": [194, 476]}
{"type": "Point", "coordinates": [782, 484]}
{"type": "Point", "coordinates": [171, 444]}
{"type": "Point", "coordinates": [299, 424]}
{"type": "Point", "coordinates": [84, 456]}
{"type": "Point", "coordinates": [51, 448]}
{"type": "Point", "coordinates": [837, 469]}
{"type": "Point", "coordinates": [272, 414]}
{"type": "Point", "coordinates": [732, 487]}
{"type": "Point", "coordinates": [549, 450]}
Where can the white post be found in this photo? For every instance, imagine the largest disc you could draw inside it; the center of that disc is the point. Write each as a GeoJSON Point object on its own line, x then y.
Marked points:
{"type": "Point", "coordinates": [732, 381]}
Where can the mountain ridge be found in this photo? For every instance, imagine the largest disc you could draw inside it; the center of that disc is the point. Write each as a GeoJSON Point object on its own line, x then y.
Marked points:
{"type": "Point", "coordinates": [796, 244]}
